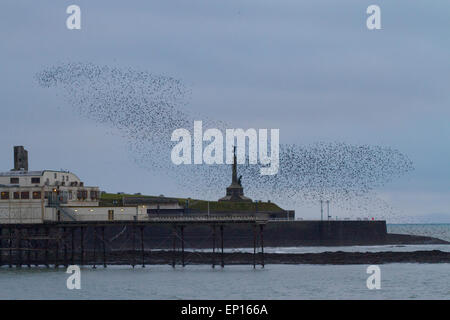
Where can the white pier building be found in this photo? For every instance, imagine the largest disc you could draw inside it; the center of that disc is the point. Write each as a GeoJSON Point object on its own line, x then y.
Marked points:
{"type": "Point", "coordinates": [49, 196]}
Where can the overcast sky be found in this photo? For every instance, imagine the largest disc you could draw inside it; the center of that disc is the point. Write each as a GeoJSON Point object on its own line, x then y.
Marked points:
{"type": "Point", "coordinates": [310, 68]}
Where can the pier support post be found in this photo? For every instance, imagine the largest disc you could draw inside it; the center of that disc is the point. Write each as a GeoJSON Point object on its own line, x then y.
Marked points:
{"type": "Point", "coordinates": [133, 236]}
{"type": "Point", "coordinates": [82, 246]}
{"type": "Point", "coordinates": [95, 246]}
{"type": "Point", "coordinates": [47, 234]}
{"type": "Point", "coordinates": [19, 247]}
{"type": "Point", "coordinates": [182, 245]}
{"type": "Point", "coordinates": [104, 247]}
{"type": "Point", "coordinates": [1, 246]}
{"type": "Point", "coordinates": [222, 264]}
{"type": "Point", "coordinates": [174, 238]}
{"type": "Point", "coordinates": [254, 246]}
{"type": "Point", "coordinates": [142, 247]}
{"type": "Point", "coordinates": [58, 237]}
{"type": "Point", "coordinates": [261, 232]}
{"type": "Point", "coordinates": [65, 247]}
{"type": "Point", "coordinates": [214, 247]}
{"type": "Point", "coordinates": [10, 247]}
{"type": "Point", "coordinates": [36, 246]}
{"type": "Point", "coordinates": [72, 249]}
{"type": "Point", "coordinates": [28, 237]}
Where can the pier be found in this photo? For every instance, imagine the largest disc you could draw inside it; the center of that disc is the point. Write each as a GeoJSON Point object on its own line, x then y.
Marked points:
{"type": "Point", "coordinates": [103, 243]}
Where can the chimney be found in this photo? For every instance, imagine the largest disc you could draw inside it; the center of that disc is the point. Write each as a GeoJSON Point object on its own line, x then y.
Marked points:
{"type": "Point", "coordinates": [20, 159]}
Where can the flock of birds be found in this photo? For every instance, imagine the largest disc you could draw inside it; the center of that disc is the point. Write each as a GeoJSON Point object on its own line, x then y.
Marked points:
{"type": "Point", "coordinates": [145, 109]}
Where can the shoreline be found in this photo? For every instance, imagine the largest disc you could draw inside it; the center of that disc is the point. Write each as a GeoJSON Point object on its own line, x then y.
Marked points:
{"type": "Point", "coordinates": [179, 258]}
{"type": "Point", "coordinates": [243, 258]}
{"type": "Point", "coordinates": [405, 239]}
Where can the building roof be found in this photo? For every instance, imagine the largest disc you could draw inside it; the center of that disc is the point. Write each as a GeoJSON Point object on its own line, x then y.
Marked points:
{"type": "Point", "coordinates": [23, 173]}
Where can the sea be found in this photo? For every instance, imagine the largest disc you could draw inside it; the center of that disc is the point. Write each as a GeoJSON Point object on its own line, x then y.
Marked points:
{"type": "Point", "coordinates": [286, 282]}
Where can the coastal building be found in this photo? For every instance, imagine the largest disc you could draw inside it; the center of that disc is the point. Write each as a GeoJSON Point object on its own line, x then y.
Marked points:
{"type": "Point", "coordinates": [52, 196]}
{"type": "Point", "coordinates": [49, 195]}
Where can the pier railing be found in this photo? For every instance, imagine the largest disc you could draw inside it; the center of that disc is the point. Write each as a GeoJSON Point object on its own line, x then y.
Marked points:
{"type": "Point", "coordinates": [221, 219]}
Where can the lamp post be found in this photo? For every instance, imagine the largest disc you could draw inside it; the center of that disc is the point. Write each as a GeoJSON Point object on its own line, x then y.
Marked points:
{"type": "Point", "coordinates": [328, 209]}
{"type": "Point", "coordinates": [321, 210]}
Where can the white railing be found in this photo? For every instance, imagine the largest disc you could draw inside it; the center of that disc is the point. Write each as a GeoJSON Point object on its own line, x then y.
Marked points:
{"type": "Point", "coordinates": [206, 218]}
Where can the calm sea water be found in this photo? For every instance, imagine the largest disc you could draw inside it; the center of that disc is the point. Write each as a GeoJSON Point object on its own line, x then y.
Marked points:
{"type": "Point", "coordinates": [441, 231]}
{"type": "Point", "coordinates": [398, 281]}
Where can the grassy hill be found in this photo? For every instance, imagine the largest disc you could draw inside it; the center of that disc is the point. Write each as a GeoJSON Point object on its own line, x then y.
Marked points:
{"type": "Point", "coordinates": [199, 205]}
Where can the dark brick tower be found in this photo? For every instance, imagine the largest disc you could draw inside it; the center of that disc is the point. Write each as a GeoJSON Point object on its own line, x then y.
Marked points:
{"type": "Point", "coordinates": [20, 159]}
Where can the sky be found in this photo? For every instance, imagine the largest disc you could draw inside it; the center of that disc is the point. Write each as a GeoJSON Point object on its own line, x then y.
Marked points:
{"type": "Point", "coordinates": [310, 68]}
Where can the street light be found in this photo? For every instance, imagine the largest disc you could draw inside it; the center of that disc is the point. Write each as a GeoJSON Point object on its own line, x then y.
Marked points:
{"type": "Point", "coordinates": [321, 210]}
{"type": "Point", "coordinates": [328, 209]}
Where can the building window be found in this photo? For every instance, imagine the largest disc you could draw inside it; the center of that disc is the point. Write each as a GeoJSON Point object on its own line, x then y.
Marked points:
{"type": "Point", "coordinates": [36, 194]}
{"type": "Point", "coordinates": [5, 195]}
{"type": "Point", "coordinates": [14, 180]}
{"type": "Point", "coordinates": [16, 195]}
{"type": "Point", "coordinates": [94, 195]}
{"type": "Point", "coordinates": [36, 180]}
{"type": "Point", "coordinates": [70, 194]}
{"type": "Point", "coordinates": [25, 195]}
{"type": "Point", "coordinates": [82, 194]}
{"type": "Point", "coordinates": [56, 176]}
